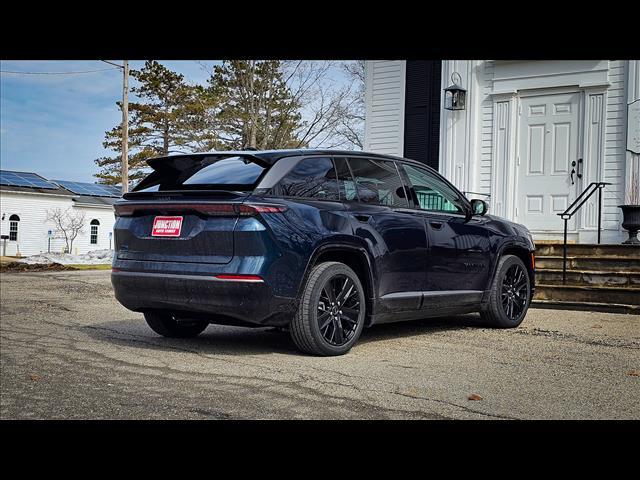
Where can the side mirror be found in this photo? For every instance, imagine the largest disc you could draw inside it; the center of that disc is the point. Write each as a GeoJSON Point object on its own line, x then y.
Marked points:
{"type": "Point", "coordinates": [479, 207]}
{"type": "Point", "coordinates": [400, 192]}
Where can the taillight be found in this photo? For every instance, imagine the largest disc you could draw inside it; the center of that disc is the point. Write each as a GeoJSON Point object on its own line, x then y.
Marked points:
{"type": "Point", "coordinates": [254, 209]}
{"type": "Point", "coordinates": [212, 209]}
{"type": "Point", "coordinates": [533, 261]}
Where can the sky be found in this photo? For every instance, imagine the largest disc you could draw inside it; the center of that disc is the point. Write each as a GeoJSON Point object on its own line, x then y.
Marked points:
{"type": "Point", "coordinates": [54, 125]}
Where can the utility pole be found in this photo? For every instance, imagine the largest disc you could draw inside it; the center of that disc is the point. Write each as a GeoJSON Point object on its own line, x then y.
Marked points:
{"type": "Point", "coordinates": [125, 128]}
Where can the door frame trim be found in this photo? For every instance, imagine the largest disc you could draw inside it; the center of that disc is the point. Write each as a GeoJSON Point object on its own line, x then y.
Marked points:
{"type": "Point", "coordinates": [506, 144]}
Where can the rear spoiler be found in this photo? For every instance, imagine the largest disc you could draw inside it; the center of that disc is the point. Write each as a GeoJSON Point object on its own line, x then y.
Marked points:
{"type": "Point", "coordinates": [175, 164]}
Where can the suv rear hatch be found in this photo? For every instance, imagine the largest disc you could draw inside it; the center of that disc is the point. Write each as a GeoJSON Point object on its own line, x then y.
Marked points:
{"type": "Point", "coordinates": [186, 210]}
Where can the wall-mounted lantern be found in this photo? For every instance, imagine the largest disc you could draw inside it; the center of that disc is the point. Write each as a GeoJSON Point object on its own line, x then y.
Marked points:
{"type": "Point", "coordinates": [455, 97]}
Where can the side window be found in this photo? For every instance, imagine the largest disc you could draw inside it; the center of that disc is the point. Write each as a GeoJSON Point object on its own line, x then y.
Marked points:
{"type": "Point", "coordinates": [313, 177]}
{"type": "Point", "coordinates": [94, 232]}
{"type": "Point", "coordinates": [346, 183]}
{"type": "Point", "coordinates": [378, 182]}
{"type": "Point", "coordinates": [13, 227]}
{"type": "Point", "coordinates": [432, 193]}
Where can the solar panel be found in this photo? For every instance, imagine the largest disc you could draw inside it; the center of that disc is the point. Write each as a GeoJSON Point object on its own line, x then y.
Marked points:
{"type": "Point", "coordinates": [24, 179]}
{"type": "Point", "coordinates": [93, 189]}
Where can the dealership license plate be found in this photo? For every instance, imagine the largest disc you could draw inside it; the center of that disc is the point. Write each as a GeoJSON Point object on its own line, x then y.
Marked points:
{"type": "Point", "coordinates": [166, 227]}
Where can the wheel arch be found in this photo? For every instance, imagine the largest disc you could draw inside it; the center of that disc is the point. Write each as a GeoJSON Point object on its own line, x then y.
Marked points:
{"type": "Point", "coordinates": [355, 257]}
{"type": "Point", "coordinates": [523, 252]}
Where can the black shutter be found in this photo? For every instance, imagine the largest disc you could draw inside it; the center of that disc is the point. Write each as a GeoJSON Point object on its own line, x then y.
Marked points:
{"type": "Point", "coordinates": [422, 111]}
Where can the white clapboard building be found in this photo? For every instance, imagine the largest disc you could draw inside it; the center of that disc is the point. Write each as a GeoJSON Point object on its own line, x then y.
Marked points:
{"type": "Point", "coordinates": [531, 137]}
{"type": "Point", "coordinates": [27, 199]}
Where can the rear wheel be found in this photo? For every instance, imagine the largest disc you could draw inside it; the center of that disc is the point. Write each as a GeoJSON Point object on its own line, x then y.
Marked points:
{"type": "Point", "coordinates": [510, 294]}
{"type": "Point", "coordinates": [330, 317]}
{"type": "Point", "coordinates": [165, 324]}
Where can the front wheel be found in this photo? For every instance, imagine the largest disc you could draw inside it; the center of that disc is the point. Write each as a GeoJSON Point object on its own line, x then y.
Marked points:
{"type": "Point", "coordinates": [167, 325]}
{"type": "Point", "coordinates": [330, 317]}
{"type": "Point", "coordinates": [510, 294]}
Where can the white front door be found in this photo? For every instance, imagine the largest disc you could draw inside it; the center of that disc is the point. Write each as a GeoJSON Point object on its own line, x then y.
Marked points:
{"type": "Point", "coordinates": [548, 145]}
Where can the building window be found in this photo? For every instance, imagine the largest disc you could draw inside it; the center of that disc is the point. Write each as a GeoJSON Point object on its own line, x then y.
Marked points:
{"type": "Point", "coordinates": [94, 231]}
{"type": "Point", "coordinates": [13, 227]}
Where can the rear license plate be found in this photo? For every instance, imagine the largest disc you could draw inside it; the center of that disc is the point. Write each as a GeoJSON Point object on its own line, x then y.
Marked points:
{"type": "Point", "coordinates": [166, 227]}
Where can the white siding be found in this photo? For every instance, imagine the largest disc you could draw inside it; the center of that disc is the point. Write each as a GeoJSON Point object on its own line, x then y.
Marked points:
{"type": "Point", "coordinates": [384, 104]}
{"type": "Point", "coordinates": [486, 128]}
{"type": "Point", "coordinates": [106, 218]}
{"type": "Point", "coordinates": [33, 226]}
{"type": "Point", "coordinates": [614, 145]}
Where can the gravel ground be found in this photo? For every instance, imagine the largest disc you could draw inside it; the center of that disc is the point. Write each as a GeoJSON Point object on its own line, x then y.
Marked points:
{"type": "Point", "coordinates": [69, 350]}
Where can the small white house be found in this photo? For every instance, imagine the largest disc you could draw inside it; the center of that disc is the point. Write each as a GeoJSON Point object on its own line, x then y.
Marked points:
{"type": "Point", "coordinates": [531, 137]}
{"type": "Point", "coordinates": [26, 199]}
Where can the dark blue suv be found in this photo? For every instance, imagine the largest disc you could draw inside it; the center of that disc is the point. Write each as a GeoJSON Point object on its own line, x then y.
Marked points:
{"type": "Point", "coordinates": [321, 242]}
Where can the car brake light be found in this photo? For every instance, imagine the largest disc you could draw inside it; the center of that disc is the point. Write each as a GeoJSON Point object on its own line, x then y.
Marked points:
{"type": "Point", "coordinates": [533, 260]}
{"type": "Point", "coordinates": [213, 209]}
{"type": "Point", "coordinates": [240, 278]}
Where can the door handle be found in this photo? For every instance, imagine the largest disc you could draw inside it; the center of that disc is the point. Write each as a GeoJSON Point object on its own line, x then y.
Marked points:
{"type": "Point", "coordinates": [436, 225]}
{"type": "Point", "coordinates": [362, 218]}
{"type": "Point", "coordinates": [579, 173]}
{"type": "Point", "coordinates": [573, 170]}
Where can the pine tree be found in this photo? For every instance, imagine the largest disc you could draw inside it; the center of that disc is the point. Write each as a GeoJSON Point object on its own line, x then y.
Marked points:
{"type": "Point", "coordinates": [259, 109]}
{"type": "Point", "coordinates": [170, 116]}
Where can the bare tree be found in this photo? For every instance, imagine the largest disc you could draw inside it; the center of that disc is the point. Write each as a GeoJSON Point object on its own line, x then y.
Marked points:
{"type": "Point", "coordinates": [69, 224]}
{"type": "Point", "coordinates": [329, 110]}
{"type": "Point", "coordinates": [352, 125]}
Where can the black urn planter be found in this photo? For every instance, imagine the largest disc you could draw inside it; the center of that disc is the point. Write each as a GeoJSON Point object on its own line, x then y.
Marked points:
{"type": "Point", "coordinates": [631, 223]}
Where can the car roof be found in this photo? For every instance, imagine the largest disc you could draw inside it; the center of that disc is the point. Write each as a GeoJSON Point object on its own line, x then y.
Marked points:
{"type": "Point", "coordinates": [272, 156]}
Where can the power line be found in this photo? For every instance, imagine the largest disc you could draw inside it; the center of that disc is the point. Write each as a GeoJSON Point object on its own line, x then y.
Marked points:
{"type": "Point", "coordinates": [111, 63]}
{"type": "Point", "coordinates": [56, 73]}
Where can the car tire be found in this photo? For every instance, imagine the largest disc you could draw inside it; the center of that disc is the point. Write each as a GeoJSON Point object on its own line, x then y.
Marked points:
{"type": "Point", "coordinates": [309, 328]}
{"type": "Point", "coordinates": [165, 324]}
{"type": "Point", "coordinates": [507, 305]}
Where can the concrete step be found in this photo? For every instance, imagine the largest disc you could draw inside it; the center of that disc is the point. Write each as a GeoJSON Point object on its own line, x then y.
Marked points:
{"type": "Point", "coordinates": [596, 278]}
{"type": "Point", "coordinates": [581, 294]}
{"type": "Point", "coordinates": [589, 250]}
{"type": "Point", "coordinates": [587, 306]}
{"type": "Point", "coordinates": [600, 263]}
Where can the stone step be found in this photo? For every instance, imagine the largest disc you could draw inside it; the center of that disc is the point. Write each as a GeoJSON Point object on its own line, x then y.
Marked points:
{"type": "Point", "coordinates": [600, 263]}
{"type": "Point", "coordinates": [589, 250]}
{"type": "Point", "coordinates": [587, 306]}
{"type": "Point", "coordinates": [600, 294]}
{"type": "Point", "coordinates": [619, 279]}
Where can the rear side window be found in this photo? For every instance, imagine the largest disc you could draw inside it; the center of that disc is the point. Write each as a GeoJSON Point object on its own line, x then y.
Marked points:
{"type": "Point", "coordinates": [313, 177]}
{"type": "Point", "coordinates": [346, 183]}
{"type": "Point", "coordinates": [378, 182]}
{"type": "Point", "coordinates": [210, 172]}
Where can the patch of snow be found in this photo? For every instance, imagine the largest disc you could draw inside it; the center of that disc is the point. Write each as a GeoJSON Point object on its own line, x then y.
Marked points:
{"type": "Point", "coordinates": [94, 257]}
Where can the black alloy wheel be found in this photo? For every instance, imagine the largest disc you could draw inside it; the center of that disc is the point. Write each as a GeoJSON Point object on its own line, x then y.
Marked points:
{"type": "Point", "coordinates": [338, 310]}
{"type": "Point", "coordinates": [514, 294]}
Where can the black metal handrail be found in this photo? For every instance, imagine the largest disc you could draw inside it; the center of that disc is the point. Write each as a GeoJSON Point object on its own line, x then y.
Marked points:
{"type": "Point", "coordinates": [573, 209]}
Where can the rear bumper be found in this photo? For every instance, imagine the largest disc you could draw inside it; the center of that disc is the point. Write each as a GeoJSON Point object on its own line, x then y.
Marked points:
{"type": "Point", "coordinates": [251, 303]}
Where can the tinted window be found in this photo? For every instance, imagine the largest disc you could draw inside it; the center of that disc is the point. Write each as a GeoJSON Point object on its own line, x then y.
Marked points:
{"type": "Point", "coordinates": [431, 192]}
{"type": "Point", "coordinates": [378, 182]}
{"type": "Point", "coordinates": [346, 183]}
{"type": "Point", "coordinates": [310, 178]}
{"type": "Point", "coordinates": [181, 173]}
{"type": "Point", "coordinates": [226, 171]}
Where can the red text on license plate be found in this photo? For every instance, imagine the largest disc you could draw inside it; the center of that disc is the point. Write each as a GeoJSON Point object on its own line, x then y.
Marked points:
{"type": "Point", "coordinates": [166, 227]}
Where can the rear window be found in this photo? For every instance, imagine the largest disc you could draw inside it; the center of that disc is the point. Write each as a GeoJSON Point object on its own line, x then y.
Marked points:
{"type": "Point", "coordinates": [193, 173]}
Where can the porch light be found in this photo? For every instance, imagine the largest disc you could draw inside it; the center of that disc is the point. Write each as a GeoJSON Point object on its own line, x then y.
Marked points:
{"type": "Point", "coordinates": [455, 97]}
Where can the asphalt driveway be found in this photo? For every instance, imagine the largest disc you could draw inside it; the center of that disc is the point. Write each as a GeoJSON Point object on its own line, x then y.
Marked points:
{"type": "Point", "coordinates": [69, 350]}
